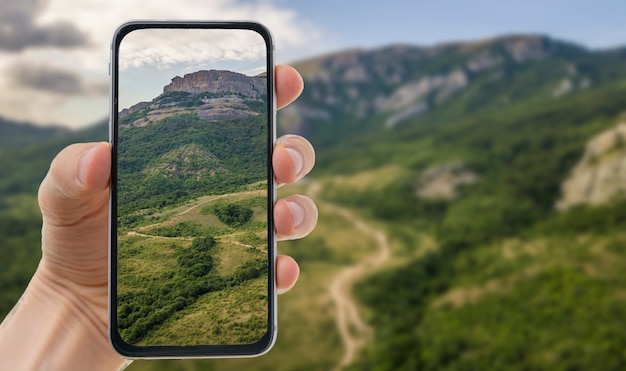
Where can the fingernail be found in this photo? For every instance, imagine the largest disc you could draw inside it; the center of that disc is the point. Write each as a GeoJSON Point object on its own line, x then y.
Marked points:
{"type": "Point", "coordinates": [82, 165]}
{"type": "Point", "coordinates": [297, 212]}
{"type": "Point", "coordinates": [296, 159]}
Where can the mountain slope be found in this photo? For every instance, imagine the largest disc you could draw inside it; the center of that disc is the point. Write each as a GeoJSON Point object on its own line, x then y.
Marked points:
{"type": "Point", "coordinates": [396, 85]}
{"type": "Point", "coordinates": [20, 134]}
{"type": "Point", "coordinates": [507, 281]}
{"type": "Point", "coordinates": [518, 112]}
{"type": "Point", "coordinates": [206, 133]}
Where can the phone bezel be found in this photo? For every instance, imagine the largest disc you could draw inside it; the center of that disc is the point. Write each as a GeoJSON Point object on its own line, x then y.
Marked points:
{"type": "Point", "coordinates": [201, 351]}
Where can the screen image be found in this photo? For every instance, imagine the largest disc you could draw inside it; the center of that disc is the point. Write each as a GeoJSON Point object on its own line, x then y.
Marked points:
{"type": "Point", "coordinates": [193, 187]}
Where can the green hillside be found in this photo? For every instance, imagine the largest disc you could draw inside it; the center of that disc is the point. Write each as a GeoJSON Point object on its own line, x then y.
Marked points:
{"type": "Point", "coordinates": [512, 284]}
{"type": "Point", "coordinates": [206, 159]}
{"type": "Point", "coordinates": [455, 155]}
{"type": "Point", "coordinates": [174, 154]}
{"type": "Point", "coordinates": [14, 135]}
{"type": "Point", "coordinates": [189, 267]}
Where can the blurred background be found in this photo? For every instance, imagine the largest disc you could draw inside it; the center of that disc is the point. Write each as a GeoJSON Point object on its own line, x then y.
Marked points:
{"type": "Point", "coordinates": [471, 173]}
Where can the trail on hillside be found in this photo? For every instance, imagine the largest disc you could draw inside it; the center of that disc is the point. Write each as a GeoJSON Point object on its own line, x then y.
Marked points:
{"type": "Point", "coordinates": [217, 198]}
{"type": "Point", "coordinates": [353, 330]}
{"type": "Point", "coordinates": [220, 238]}
{"type": "Point", "coordinates": [135, 233]}
{"type": "Point", "coordinates": [188, 209]}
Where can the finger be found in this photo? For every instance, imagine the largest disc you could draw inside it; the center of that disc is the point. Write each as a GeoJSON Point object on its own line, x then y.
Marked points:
{"type": "Point", "coordinates": [73, 199]}
{"type": "Point", "coordinates": [288, 83]}
{"type": "Point", "coordinates": [292, 159]}
{"type": "Point", "coordinates": [287, 272]}
{"type": "Point", "coordinates": [78, 173]}
{"type": "Point", "coordinates": [294, 217]}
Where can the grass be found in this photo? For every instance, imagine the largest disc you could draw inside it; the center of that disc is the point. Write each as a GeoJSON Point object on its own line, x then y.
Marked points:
{"type": "Point", "coordinates": [191, 211]}
{"type": "Point", "coordinates": [151, 262]}
{"type": "Point", "coordinates": [145, 259]}
{"type": "Point", "coordinates": [515, 260]}
{"type": "Point", "coordinates": [307, 333]}
{"type": "Point", "coordinates": [377, 178]}
{"type": "Point", "coordinates": [307, 336]}
{"type": "Point", "coordinates": [231, 316]}
{"type": "Point", "coordinates": [229, 256]}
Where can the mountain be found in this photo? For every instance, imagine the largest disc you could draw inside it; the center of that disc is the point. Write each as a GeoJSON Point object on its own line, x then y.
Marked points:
{"type": "Point", "coordinates": [23, 168]}
{"type": "Point", "coordinates": [472, 145]}
{"type": "Point", "coordinates": [219, 82]}
{"type": "Point", "coordinates": [15, 134]}
{"type": "Point", "coordinates": [388, 87]}
{"type": "Point", "coordinates": [460, 154]}
{"type": "Point", "coordinates": [212, 95]}
{"type": "Point", "coordinates": [204, 134]}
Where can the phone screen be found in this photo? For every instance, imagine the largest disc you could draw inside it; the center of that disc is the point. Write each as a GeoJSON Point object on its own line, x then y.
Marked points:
{"type": "Point", "coordinates": [192, 242]}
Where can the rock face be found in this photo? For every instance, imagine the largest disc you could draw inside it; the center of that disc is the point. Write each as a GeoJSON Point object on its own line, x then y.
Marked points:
{"type": "Point", "coordinates": [401, 83]}
{"type": "Point", "coordinates": [137, 107]}
{"type": "Point", "coordinates": [218, 82]}
{"type": "Point", "coordinates": [442, 182]}
{"type": "Point", "coordinates": [600, 175]}
{"type": "Point", "coordinates": [231, 95]}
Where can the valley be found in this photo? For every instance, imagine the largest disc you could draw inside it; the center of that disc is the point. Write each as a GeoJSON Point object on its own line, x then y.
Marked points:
{"type": "Point", "coordinates": [492, 168]}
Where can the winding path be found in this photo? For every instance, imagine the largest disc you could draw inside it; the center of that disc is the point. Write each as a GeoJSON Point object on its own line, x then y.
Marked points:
{"type": "Point", "coordinates": [353, 330]}
{"type": "Point", "coordinates": [217, 198]}
{"type": "Point", "coordinates": [135, 233]}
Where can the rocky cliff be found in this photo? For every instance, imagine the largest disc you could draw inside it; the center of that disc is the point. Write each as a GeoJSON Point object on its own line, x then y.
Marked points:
{"type": "Point", "coordinates": [130, 110]}
{"type": "Point", "coordinates": [213, 81]}
{"type": "Point", "coordinates": [231, 96]}
{"type": "Point", "coordinates": [600, 175]}
{"type": "Point", "coordinates": [443, 182]}
{"type": "Point", "coordinates": [403, 83]}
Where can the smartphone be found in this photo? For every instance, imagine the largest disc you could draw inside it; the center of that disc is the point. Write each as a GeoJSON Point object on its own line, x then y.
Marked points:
{"type": "Point", "coordinates": [192, 244]}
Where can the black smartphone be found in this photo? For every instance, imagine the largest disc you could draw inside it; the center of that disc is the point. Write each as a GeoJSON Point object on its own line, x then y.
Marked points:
{"type": "Point", "coordinates": [192, 245]}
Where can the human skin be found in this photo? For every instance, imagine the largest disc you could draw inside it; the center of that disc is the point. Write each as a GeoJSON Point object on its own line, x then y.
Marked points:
{"type": "Point", "coordinates": [60, 322]}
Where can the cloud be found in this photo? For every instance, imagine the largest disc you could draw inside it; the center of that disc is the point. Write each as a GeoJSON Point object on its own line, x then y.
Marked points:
{"type": "Point", "coordinates": [53, 79]}
{"type": "Point", "coordinates": [19, 30]}
{"type": "Point", "coordinates": [163, 48]}
{"type": "Point", "coordinates": [293, 33]}
{"type": "Point", "coordinates": [54, 54]}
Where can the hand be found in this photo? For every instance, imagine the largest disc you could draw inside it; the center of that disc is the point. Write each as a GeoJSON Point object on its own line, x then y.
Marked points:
{"type": "Point", "coordinates": [61, 320]}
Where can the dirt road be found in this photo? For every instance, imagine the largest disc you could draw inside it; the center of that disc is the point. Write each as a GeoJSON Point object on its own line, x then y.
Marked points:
{"type": "Point", "coordinates": [135, 233]}
{"type": "Point", "coordinates": [260, 192]}
{"type": "Point", "coordinates": [353, 330]}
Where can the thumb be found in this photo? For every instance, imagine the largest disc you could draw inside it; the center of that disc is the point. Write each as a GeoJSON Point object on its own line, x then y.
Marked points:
{"type": "Point", "coordinates": [79, 173]}
{"type": "Point", "coordinates": [73, 199]}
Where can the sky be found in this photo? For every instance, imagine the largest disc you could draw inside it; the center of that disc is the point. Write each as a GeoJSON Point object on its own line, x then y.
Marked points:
{"type": "Point", "coordinates": [54, 54]}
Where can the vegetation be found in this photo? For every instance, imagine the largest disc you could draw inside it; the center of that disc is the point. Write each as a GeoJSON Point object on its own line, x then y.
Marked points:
{"type": "Point", "coordinates": [238, 145]}
{"type": "Point", "coordinates": [162, 166]}
{"type": "Point", "coordinates": [144, 305]}
{"type": "Point", "coordinates": [232, 214]}
{"type": "Point", "coordinates": [182, 229]}
{"type": "Point", "coordinates": [464, 305]}
{"type": "Point", "coordinates": [508, 283]}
